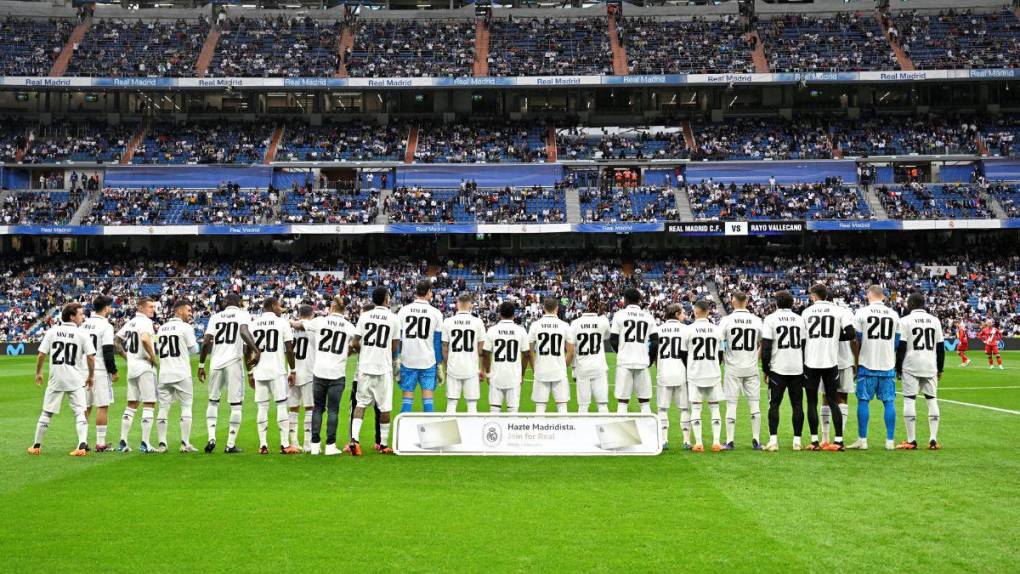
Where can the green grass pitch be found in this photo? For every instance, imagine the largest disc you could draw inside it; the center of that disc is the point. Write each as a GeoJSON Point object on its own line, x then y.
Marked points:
{"type": "Point", "coordinates": [953, 510]}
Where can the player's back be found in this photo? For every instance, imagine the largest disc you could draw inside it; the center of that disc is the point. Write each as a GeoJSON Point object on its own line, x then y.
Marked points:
{"type": "Point", "coordinates": [131, 333]}
{"type": "Point", "coordinates": [877, 329]}
{"type": "Point", "coordinates": [67, 347]}
{"type": "Point", "coordinates": [845, 357]}
{"type": "Point", "coordinates": [741, 331]}
{"type": "Point", "coordinates": [549, 336]}
{"type": "Point", "coordinates": [271, 333]}
{"type": "Point", "coordinates": [225, 328]}
{"type": "Point", "coordinates": [304, 354]}
{"type": "Point", "coordinates": [634, 326]}
{"type": "Point", "coordinates": [332, 334]}
{"type": "Point", "coordinates": [377, 328]}
{"type": "Point", "coordinates": [921, 334]}
{"type": "Point", "coordinates": [465, 334]}
{"type": "Point", "coordinates": [419, 322]}
{"type": "Point", "coordinates": [100, 332]}
{"type": "Point", "coordinates": [703, 343]}
{"type": "Point", "coordinates": [174, 343]}
{"type": "Point", "coordinates": [670, 366]}
{"type": "Point", "coordinates": [786, 330]}
{"type": "Point", "coordinates": [590, 332]}
{"type": "Point", "coordinates": [825, 323]}
{"type": "Point", "coordinates": [506, 341]}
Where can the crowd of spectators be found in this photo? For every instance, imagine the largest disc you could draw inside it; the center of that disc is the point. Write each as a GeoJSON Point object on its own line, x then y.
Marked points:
{"type": "Point", "coordinates": [843, 42]}
{"type": "Point", "coordinates": [343, 142]}
{"type": "Point", "coordinates": [921, 135]}
{"type": "Point", "coordinates": [204, 143]}
{"type": "Point", "coordinates": [830, 199]}
{"type": "Point", "coordinates": [740, 138]}
{"type": "Point", "coordinates": [471, 203]}
{"type": "Point", "coordinates": [139, 48]}
{"type": "Point", "coordinates": [40, 207]}
{"type": "Point", "coordinates": [959, 39]}
{"type": "Point", "coordinates": [305, 204]}
{"type": "Point", "coordinates": [494, 142]}
{"type": "Point", "coordinates": [277, 47]}
{"type": "Point", "coordinates": [29, 46]}
{"type": "Point", "coordinates": [419, 47]}
{"type": "Point", "coordinates": [549, 47]}
{"type": "Point", "coordinates": [655, 142]}
{"type": "Point", "coordinates": [614, 204]}
{"type": "Point", "coordinates": [944, 201]}
{"type": "Point", "coordinates": [697, 46]}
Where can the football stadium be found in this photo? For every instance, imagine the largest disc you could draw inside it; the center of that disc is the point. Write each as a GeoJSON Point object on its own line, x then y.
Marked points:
{"type": "Point", "coordinates": [523, 286]}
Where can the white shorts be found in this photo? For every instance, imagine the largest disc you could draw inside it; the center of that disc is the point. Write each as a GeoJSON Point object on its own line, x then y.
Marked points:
{"type": "Point", "coordinates": [560, 391]}
{"type": "Point", "coordinates": [674, 394]}
{"type": "Point", "coordinates": [846, 381]}
{"type": "Point", "coordinates": [698, 394]}
{"type": "Point", "coordinates": [469, 386]}
{"type": "Point", "coordinates": [913, 386]}
{"type": "Point", "coordinates": [142, 388]}
{"type": "Point", "coordinates": [231, 378]}
{"type": "Point", "coordinates": [181, 391]}
{"type": "Point", "coordinates": [637, 381]}
{"type": "Point", "coordinates": [75, 398]}
{"type": "Point", "coordinates": [272, 389]}
{"type": "Point", "coordinates": [301, 396]}
{"type": "Point", "coordinates": [592, 386]}
{"type": "Point", "coordinates": [512, 396]}
{"type": "Point", "coordinates": [101, 393]}
{"type": "Point", "coordinates": [375, 390]}
{"type": "Point", "coordinates": [735, 386]}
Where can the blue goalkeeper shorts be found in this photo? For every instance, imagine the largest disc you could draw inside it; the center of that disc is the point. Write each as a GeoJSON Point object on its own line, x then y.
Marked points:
{"type": "Point", "coordinates": [410, 379]}
{"type": "Point", "coordinates": [871, 387]}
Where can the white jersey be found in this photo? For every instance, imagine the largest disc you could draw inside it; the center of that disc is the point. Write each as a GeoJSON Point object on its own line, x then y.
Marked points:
{"type": "Point", "coordinates": [548, 338]}
{"type": "Point", "coordinates": [100, 332]}
{"type": "Point", "coordinates": [703, 344]}
{"type": "Point", "coordinates": [333, 334]}
{"type": "Point", "coordinates": [304, 355]}
{"type": "Point", "coordinates": [67, 346]}
{"type": "Point", "coordinates": [845, 357]}
{"type": "Point", "coordinates": [741, 338]}
{"type": "Point", "coordinates": [271, 333]}
{"type": "Point", "coordinates": [825, 324]}
{"type": "Point", "coordinates": [922, 334]}
{"type": "Point", "coordinates": [378, 330]}
{"type": "Point", "coordinates": [670, 368]}
{"type": "Point", "coordinates": [465, 335]}
{"type": "Point", "coordinates": [131, 334]}
{"type": "Point", "coordinates": [591, 334]}
{"type": "Point", "coordinates": [419, 324]}
{"type": "Point", "coordinates": [877, 329]}
{"type": "Point", "coordinates": [175, 343]}
{"type": "Point", "coordinates": [225, 328]}
{"type": "Point", "coordinates": [507, 341]}
{"type": "Point", "coordinates": [634, 325]}
{"type": "Point", "coordinates": [786, 330]}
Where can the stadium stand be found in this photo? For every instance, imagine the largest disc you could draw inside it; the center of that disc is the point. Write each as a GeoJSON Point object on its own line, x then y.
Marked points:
{"type": "Point", "coordinates": [919, 201]}
{"type": "Point", "coordinates": [66, 141]}
{"type": "Point", "coordinates": [343, 142]}
{"type": "Point", "coordinates": [204, 143]}
{"type": "Point", "coordinates": [839, 43]}
{"type": "Point", "coordinates": [960, 39]}
{"type": "Point", "coordinates": [139, 48]}
{"type": "Point", "coordinates": [471, 203]}
{"type": "Point", "coordinates": [673, 46]}
{"type": "Point", "coordinates": [412, 48]}
{"type": "Point", "coordinates": [655, 142]}
{"type": "Point", "coordinates": [40, 207]}
{"type": "Point", "coordinates": [828, 200]}
{"type": "Point", "coordinates": [644, 203]}
{"type": "Point", "coordinates": [549, 47]}
{"type": "Point", "coordinates": [29, 46]}
{"type": "Point", "coordinates": [277, 47]}
{"type": "Point", "coordinates": [173, 206]}
{"type": "Point", "coordinates": [490, 142]}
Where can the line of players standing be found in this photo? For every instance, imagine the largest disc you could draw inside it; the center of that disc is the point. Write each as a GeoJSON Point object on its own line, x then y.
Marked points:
{"type": "Point", "coordinates": [301, 364]}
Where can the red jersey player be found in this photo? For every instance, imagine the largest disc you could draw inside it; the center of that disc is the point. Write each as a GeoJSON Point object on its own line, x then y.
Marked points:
{"type": "Point", "coordinates": [962, 343]}
{"type": "Point", "coordinates": [991, 336]}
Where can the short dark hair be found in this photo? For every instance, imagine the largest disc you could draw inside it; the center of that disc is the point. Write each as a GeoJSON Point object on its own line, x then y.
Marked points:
{"type": "Point", "coordinates": [632, 296]}
{"type": "Point", "coordinates": [230, 300]}
{"type": "Point", "coordinates": [703, 305]}
{"type": "Point", "coordinates": [180, 303]}
{"type": "Point", "coordinates": [594, 305]}
{"type": "Point", "coordinates": [739, 296]}
{"type": "Point", "coordinates": [100, 303]}
{"type": "Point", "coordinates": [672, 309]}
{"type": "Point", "coordinates": [422, 288]}
{"type": "Point", "coordinates": [915, 301]}
{"type": "Point", "coordinates": [784, 300]}
{"type": "Point", "coordinates": [820, 291]}
{"type": "Point", "coordinates": [465, 297]}
{"type": "Point", "coordinates": [368, 306]}
{"type": "Point", "coordinates": [550, 303]}
{"type": "Point", "coordinates": [142, 301]}
{"type": "Point", "coordinates": [507, 309]}
{"type": "Point", "coordinates": [305, 310]}
{"type": "Point", "coordinates": [379, 296]}
{"type": "Point", "coordinates": [270, 303]}
{"type": "Point", "coordinates": [68, 311]}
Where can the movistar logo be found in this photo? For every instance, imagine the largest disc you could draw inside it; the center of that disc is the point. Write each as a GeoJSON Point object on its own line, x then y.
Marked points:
{"type": "Point", "coordinates": [15, 350]}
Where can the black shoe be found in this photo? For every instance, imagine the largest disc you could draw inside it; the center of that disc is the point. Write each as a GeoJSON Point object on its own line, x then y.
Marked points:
{"type": "Point", "coordinates": [232, 450]}
{"type": "Point", "coordinates": [85, 447]}
{"type": "Point", "coordinates": [210, 446]}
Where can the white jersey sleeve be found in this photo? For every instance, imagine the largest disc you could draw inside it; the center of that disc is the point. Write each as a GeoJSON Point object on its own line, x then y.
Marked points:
{"type": "Point", "coordinates": [741, 340]}
{"type": "Point", "coordinates": [132, 334]}
{"type": "Point", "coordinates": [785, 329]}
{"type": "Point", "coordinates": [304, 353]}
{"type": "Point", "coordinates": [100, 333]}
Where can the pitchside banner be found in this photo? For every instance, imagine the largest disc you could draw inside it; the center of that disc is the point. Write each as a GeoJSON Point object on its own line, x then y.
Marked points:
{"type": "Point", "coordinates": [527, 434]}
{"type": "Point", "coordinates": [735, 227]}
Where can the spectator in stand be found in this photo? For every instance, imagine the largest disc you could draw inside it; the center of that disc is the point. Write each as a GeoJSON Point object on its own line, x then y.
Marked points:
{"type": "Point", "coordinates": [140, 48]}
{"type": "Point", "coordinates": [29, 47]}
{"type": "Point", "coordinates": [844, 42]}
{"type": "Point", "coordinates": [698, 46]}
{"type": "Point", "coordinates": [412, 48]}
{"type": "Point", "coordinates": [823, 200]}
{"type": "Point", "coordinates": [277, 47]}
{"type": "Point", "coordinates": [549, 47]}
{"type": "Point", "coordinates": [959, 39]}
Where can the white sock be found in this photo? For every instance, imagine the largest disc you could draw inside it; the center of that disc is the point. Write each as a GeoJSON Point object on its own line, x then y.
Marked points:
{"type": "Point", "coordinates": [235, 424]}
{"type": "Point", "coordinates": [283, 421]}
{"type": "Point", "coordinates": [731, 420]}
{"type": "Point", "coordinates": [41, 427]}
{"type": "Point", "coordinates": [602, 407]}
{"type": "Point", "coordinates": [933, 418]}
{"type": "Point", "coordinates": [81, 425]}
{"type": "Point", "coordinates": [211, 412]}
{"type": "Point", "coordinates": [685, 424]}
{"type": "Point", "coordinates": [384, 432]}
{"type": "Point", "coordinates": [510, 409]}
{"type": "Point", "coordinates": [844, 409]}
{"type": "Point", "coordinates": [472, 405]}
{"type": "Point", "coordinates": [292, 424]}
{"type": "Point", "coordinates": [561, 407]}
{"type": "Point", "coordinates": [910, 418]}
{"type": "Point", "coordinates": [161, 423]}
{"type": "Point", "coordinates": [755, 409]}
{"type": "Point", "coordinates": [696, 422]}
{"type": "Point", "coordinates": [451, 405]}
{"type": "Point", "coordinates": [664, 424]}
{"type": "Point", "coordinates": [100, 434]}
{"type": "Point", "coordinates": [262, 422]}
{"type": "Point", "coordinates": [308, 426]}
{"type": "Point", "coordinates": [796, 441]}
{"type": "Point", "coordinates": [826, 421]}
{"type": "Point", "coordinates": [621, 407]}
{"type": "Point", "coordinates": [147, 416]}
{"type": "Point", "coordinates": [356, 429]}
{"type": "Point", "coordinates": [646, 407]}
{"type": "Point", "coordinates": [186, 428]}
{"type": "Point", "coordinates": [773, 439]}
{"type": "Point", "coordinates": [125, 423]}
{"type": "Point", "coordinates": [716, 422]}
{"type": "Point", "coordinates": [540, 408]}
{"type": "Point", "coordinates": [583, 407]}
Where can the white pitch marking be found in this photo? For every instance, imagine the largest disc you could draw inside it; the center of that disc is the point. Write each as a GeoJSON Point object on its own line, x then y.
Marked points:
{"type": "Point", "coordinates": [976, 388]}
{"type": "Point", "coordinates": [996, 409]}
